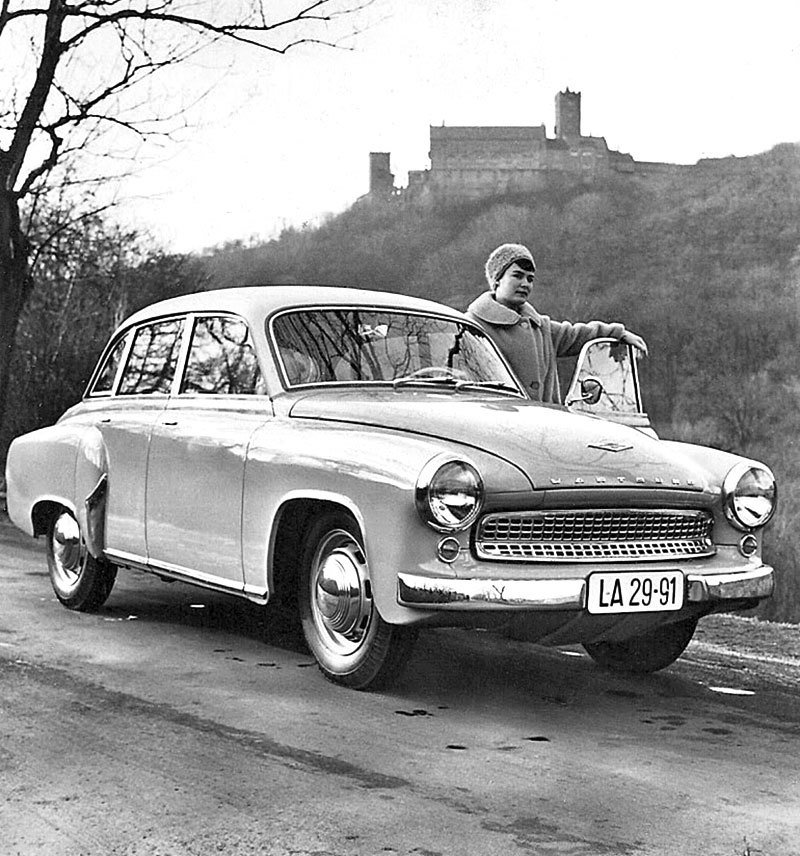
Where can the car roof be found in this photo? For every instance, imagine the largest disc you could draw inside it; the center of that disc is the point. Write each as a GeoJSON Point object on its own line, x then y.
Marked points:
{"type": "Point", "coordinates": [264, 299]}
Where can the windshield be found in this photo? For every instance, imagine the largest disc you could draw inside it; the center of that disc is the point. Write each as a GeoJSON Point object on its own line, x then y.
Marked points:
{"type": "Point", "coordinates": [385, 346]}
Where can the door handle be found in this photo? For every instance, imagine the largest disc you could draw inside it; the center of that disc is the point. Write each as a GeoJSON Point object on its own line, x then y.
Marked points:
{"type": "Point", "coordinates": [170, 422]}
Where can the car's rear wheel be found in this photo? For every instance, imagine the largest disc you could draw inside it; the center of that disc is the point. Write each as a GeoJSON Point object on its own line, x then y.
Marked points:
{"type": "Point", "coordinates": [353, 645]}
{"type": "Point", "coordinates": [80, 581]}
{"type": "Point", "coordinates": [647, 653]}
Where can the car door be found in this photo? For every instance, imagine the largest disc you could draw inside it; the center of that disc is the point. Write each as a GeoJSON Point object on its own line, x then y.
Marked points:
{"type": "Point", "coordinates": [147, 358]}
{"type": "Point", "coordinates": [606, 383]}
{"type": "Point", "coordinates": [197, 456]}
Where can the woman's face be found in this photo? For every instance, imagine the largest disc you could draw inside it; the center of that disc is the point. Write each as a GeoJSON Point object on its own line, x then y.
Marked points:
{"type": "Point", "coordinates": [514, 287]}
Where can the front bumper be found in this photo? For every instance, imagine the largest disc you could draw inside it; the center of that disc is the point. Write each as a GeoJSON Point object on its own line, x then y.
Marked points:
{"type": "Point", "coordinates": [447, 593]}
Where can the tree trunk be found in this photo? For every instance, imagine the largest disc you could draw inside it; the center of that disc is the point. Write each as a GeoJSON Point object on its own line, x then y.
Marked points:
{"type": "Point", "coordinates": [15, 285]}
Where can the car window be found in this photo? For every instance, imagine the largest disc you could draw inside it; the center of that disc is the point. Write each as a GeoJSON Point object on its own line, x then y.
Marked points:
{"type": "Point", "coordinates": [152, 360]}
{"type": "Point", "coordinates": [352, 345]}
{"type": "Point", "coordinates": [104, 382]}
{"type": "Point", "coordinates": [222, 359]}
{"type": "Point", "coordinates": [612, 364]}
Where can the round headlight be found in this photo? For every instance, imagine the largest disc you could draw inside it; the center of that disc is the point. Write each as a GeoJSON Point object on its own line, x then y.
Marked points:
{"type": "Point", "coordinates": [749, 494]}
{"type": "Point", "coordinates": [449, 494]}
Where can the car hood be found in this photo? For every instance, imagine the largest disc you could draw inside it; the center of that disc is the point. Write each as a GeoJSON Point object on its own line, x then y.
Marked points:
{"type": "Point", "coordinates": [552, 446]}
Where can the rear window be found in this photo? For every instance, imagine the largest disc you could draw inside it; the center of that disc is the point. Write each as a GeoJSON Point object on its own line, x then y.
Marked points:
{"type": "Point", "coordinates": [104, 382]}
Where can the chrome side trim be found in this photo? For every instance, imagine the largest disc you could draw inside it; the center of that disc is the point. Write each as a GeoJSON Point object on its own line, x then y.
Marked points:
{"type": "Point", "coordinates": [131, 560]}
{"type": "Point", "coordinates": [421, 592]}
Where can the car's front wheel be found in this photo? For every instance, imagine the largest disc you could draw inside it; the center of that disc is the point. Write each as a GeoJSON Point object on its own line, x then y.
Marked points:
{"type": "Point", "coordinates": [353, 645]}
{"type": "Point", "coordinates": [80, 581]}
{"type": "Point", "coordinates": [647, 653]}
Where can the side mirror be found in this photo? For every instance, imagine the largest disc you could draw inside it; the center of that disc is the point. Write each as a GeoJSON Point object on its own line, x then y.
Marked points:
{"type": "Point", "coordinates": [591, 390]}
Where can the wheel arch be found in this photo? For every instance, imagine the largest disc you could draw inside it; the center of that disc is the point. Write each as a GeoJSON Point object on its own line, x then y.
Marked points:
{"type": "Point", "coordinates": [90, 516]}
{"type": "Point", "coordinates": [291, 521]}
{"type": "Point", "coordinates": [44, 510]}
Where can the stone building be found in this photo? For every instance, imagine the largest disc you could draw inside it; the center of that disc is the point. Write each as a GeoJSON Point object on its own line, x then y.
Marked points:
{"type": "Point", "coordinates": [473, 162]}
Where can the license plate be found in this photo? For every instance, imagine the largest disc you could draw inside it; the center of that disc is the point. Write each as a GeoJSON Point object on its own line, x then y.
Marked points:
{"type": "Point", "coordinates": [638, 591]}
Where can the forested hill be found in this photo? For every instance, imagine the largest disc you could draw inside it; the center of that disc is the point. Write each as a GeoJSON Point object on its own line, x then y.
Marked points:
{"type": "Point", "coordinates": [736, 213]}
{"type": "Point", "coordinates": [706, 266]}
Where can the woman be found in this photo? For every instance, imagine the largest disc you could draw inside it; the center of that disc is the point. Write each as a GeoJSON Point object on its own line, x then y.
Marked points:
{"type": "Point", "coordinates": [530, 341]}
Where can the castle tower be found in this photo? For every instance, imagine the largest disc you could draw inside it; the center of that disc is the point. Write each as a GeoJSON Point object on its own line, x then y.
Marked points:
{"type": "Point", "coordinates": [568, 115]}
{"type": "Point", "coordinates": [381, 179]}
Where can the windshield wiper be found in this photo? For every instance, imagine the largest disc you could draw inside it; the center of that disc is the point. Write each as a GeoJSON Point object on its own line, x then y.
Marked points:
{"type": "Point", "coordinates": [437, 380]}
{"type": "Point", "coordinates": [487, 384]}
{"type": "Point", "coordinates": [453, 383]}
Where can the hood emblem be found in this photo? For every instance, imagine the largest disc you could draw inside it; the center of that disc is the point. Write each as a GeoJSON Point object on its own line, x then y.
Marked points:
{"type": "Point", "coordinates": [610, 446]}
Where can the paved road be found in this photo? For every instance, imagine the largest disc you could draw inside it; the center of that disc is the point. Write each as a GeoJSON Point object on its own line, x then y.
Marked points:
{"type": "Point", "coordinates": [176, 722]}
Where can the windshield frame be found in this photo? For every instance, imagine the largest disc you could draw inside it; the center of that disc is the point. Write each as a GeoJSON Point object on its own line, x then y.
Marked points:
{"type": "Point", "coordinates": [464, 321]}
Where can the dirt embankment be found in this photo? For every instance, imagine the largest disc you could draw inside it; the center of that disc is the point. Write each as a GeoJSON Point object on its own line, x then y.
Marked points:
{"type": "Point", "coordinates": [759, 651]}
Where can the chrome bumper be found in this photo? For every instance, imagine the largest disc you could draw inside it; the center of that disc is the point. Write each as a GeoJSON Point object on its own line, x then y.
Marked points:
{"type": "Point", "coordinates": [416, 591]}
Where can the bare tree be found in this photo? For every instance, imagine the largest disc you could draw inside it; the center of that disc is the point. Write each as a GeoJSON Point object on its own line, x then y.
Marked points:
{"type": "Point", "coordinates": [61, 97]}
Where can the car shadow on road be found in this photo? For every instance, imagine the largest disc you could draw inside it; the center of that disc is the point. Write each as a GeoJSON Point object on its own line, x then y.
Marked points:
{"type": "Point", "coordinates": [147, 598]}
{"type": "Point", "coordinates": [464, 667]}
{"type": "Point", "coordinates": [465, 663]}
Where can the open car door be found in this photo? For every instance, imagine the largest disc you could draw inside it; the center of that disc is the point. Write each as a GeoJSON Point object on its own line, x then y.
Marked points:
{"type": "Point", "coordinates": [606, 384]}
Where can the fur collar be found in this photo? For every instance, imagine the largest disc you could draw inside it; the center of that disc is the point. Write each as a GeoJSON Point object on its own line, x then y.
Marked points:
{"type": "Point", "coordinates": [488, 309]}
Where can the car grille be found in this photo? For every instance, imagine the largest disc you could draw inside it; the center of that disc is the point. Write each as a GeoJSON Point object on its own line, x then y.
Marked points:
{"type": "Point", "coordinates": [594, 535]}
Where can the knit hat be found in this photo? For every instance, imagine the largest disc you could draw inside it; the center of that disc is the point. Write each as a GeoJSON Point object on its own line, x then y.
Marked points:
{"type": "Point", "coordinates": [503, 257]}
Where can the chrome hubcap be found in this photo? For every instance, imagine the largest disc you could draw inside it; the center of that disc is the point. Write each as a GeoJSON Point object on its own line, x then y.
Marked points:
{"type": "Point", "coordinates": [341, 604]}
{"type": "Point", "coordinates": [67, 551]}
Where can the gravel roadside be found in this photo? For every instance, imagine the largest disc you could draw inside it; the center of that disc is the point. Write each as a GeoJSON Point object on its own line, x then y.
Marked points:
{"type": "Point", "coordinates": [763, 639]}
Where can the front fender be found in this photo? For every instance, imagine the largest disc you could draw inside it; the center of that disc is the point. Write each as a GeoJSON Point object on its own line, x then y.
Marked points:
{"type": "Point", "coordinates": [716, 462]}
{"type": "Point", "coordinates": [370, 472]}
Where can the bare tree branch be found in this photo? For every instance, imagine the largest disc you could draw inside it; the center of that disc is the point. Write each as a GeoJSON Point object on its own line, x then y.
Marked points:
{"type": "Point", "coordinates": [58, 104]}
{"type": "Point", "coordinates": [45, 166]}
{"type": "Point", "coordinates": [4, 17]}
{"type": "Point", "coordinates": [54, 234]}
{"type": "Point", "coordinates": [52, 50]}
{"type": "Point", "coordinates": [239, 31]}
{"type": "Point", "coordinates": [138, 61]}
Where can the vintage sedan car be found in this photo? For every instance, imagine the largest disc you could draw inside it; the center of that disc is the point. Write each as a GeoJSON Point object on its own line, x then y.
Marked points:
{"type": "Point", "coordinates": [372, 460]}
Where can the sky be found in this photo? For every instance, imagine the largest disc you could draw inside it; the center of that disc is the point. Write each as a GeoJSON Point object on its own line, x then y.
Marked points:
{"type": "Point", "coordinates": [285, 140]}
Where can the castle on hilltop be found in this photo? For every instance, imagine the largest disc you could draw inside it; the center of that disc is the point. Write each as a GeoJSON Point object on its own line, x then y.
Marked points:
{"type": "Point", "coordinates": [472, 162]}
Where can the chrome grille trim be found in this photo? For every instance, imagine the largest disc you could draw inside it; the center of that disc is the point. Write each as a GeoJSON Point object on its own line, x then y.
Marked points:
{"type": "Point", "coordinates": [594, 535]}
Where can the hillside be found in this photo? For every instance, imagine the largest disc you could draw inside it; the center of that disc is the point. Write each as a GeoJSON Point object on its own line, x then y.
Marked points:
{"type": "Point", "coordinates": [705, 266]}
